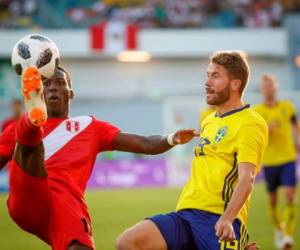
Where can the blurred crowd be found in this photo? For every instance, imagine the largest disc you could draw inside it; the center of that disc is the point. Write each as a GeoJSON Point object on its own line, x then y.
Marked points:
{"type": "Point", "coordinates": [147, 13]}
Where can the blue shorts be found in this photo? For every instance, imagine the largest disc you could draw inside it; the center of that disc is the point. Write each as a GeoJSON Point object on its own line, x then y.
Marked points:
{"type": "Point", "coordinates": [192, 229]}
{"type": "Point", "coordinates": [282, 175]}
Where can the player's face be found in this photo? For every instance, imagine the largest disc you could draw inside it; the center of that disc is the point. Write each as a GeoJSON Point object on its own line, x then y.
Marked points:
{"type": "Point", "coordinates": [217, 85]}
{"type": "Point", "coordinates": [268, 89]}
{"type": "Point", "coordinates": [57, 95]}
{"type": "Point", "coordinates": [16, 108]}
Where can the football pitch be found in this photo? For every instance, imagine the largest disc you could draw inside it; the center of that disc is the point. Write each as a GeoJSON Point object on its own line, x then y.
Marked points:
{"type": "Point", "coordinates": [114, 210]}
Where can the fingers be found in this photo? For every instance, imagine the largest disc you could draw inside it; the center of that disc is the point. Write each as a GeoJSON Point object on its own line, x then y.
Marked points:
{"type": "Point", "coordinates": [196, 133]}
{"type": "Point", "coordinates": [252, 246]}
{"type": "Point", "coordinates": [225, 233]}
{"type": "Point", "coordinates": [184, 136]}
{"type": "Point", "coordinates": [191, 132]}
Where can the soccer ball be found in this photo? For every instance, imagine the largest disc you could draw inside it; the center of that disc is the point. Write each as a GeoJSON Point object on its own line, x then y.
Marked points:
{"type": "Point", "coordinates": [35, 51]}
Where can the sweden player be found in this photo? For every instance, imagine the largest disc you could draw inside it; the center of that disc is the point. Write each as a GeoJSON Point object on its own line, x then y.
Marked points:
{"type": "Point", "coordinates": [279, 160]}
{"type": "Point", "coordinates": [212, 210]}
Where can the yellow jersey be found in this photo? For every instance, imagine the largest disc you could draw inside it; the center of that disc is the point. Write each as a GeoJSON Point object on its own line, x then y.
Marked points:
{"type": "Point", "coordinates": [237, 136]}
{"type": "Point", "coordinates": [205, 112]}
{"type": "Point", "coordinates": [281, 147]}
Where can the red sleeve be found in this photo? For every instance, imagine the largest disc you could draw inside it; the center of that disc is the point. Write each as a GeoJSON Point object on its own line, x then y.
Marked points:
{"type": "Point", "coordinates": [105, 134]}
{"type": "Point", "coordinates": [7, 141]}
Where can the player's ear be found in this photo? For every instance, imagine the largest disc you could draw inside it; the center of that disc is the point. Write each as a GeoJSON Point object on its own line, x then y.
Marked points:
{"type": "Point", "coordinates": [236, 84]}
{"type": "Point", "coordinates": [71, 94]}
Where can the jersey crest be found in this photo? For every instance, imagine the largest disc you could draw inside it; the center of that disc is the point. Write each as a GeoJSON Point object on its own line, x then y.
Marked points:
{"type": "Point", "coordinates": [72, 126]}
{"type": "Point", "coordinates": [222, 132]}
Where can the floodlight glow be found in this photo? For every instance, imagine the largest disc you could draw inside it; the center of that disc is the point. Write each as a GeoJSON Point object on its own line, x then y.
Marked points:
{"type": "Point", "coordinates": [134, 56]}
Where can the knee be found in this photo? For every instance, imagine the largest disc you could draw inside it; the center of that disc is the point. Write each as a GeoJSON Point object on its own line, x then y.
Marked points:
{"type": "Point", "coordinates": [126, 241]}
{"type": "Point", "coordinates": [290, 200]}
{"type": "Point", "coordinates": [273, 199]}
{"type": "Point", "coordinates": [290, 196]}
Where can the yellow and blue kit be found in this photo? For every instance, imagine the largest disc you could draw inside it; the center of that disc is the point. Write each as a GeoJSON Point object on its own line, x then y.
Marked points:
{"type": "Point", "coordinates": [238, 136]}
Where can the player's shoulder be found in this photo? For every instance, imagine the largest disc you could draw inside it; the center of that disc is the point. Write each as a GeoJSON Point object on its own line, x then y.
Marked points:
{"type": "Point", "coordinates": [286, 103]}
{"type": "Point", "coordinates": [258, 106]}
{"type": "Point", "coordinates": [252, 117]}
{"type": "Point", "coordinates": [103, 125]}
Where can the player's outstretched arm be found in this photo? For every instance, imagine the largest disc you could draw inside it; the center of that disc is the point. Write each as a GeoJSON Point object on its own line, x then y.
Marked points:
{"type": "Point", "coordinates": [224, 228]}
{"type": "Point", "coordinates": [154, 144]}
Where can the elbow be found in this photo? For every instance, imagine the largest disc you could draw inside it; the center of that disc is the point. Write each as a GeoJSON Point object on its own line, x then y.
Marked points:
{"type": "Point", "coordinates": [248, 183]}
{"type": "Point", "coordinates": [148, 149]}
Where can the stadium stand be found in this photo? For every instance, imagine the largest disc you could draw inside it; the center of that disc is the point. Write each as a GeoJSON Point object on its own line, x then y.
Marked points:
{"type": "Point", "coordinates": [148, 14]}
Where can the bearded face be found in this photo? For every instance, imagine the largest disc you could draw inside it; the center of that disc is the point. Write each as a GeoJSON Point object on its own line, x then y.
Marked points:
{"type": "Point", "coordinates": [217, 86]}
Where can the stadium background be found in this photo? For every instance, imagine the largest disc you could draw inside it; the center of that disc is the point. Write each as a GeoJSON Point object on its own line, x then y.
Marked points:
{"type": "Point", "coordinates": [156, 96]}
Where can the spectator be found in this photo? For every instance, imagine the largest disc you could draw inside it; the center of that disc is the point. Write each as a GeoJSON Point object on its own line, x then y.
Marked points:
{"type": "Point", "coordinates": [16, 107]}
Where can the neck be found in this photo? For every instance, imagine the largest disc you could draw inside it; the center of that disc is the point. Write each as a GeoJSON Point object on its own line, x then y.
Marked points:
{"type": "Point", "coordinates": [270, 101]}
{"type": "Point", "coordinates": [56, 115]}
{"type": "Point", "coordinates": [231, 104]}
{"type": "Point", "coordinates": [16, 116]}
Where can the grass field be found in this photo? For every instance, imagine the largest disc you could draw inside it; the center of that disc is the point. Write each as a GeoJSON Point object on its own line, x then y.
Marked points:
{"type": "Point", "coordinates": [114, 210]}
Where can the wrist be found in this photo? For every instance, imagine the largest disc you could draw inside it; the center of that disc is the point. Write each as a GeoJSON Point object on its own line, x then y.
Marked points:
{"type": "Point", "coordinates": [170, 139]}
{"type": "Point", "coordinates": [227, 218]}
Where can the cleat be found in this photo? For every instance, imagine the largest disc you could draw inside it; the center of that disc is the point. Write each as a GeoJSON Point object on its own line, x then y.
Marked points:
{"type": "Point", "coordinates": [278, 239]}
{"type": "Point", "coordinates": [32, 90]}
{"type": "Point", "coordinates": [287, 242]}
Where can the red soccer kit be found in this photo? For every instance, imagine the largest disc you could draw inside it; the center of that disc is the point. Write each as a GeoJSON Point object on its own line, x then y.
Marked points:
{"type": "Point", "coordinates": [53, 207]}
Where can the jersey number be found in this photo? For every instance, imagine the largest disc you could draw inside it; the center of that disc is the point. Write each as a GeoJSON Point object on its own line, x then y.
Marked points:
{"type": "Point", "coordinates": [229, 245]}
{"type": "Point", "coordinates": [199, 150]}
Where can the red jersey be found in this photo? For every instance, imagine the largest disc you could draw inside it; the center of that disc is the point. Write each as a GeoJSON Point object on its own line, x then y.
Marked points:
{"type": "Point", "coordinates": [71, 146]}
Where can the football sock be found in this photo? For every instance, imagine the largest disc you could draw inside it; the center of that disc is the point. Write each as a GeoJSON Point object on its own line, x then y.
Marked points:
{"type": "Point", "coordinates": [289, 216]}
{"type": "Point", "coordinates": [26, 133]}
{"type": "Point", "coordinates": [275, 216]}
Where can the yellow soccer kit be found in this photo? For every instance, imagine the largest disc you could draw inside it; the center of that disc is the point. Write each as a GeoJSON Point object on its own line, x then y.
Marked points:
{"type": "Point", "coordinates": [281, 148]}
{"type": "Point", "coordinates": [237, 136]}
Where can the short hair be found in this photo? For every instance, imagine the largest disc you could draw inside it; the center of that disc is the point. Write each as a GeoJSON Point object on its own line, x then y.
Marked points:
{"type": "Point", "coordinates": [67, 75]}
{"type": "Point", "coordinates": [235, 63]}
{"type": "Point", "coordinates": [269, 77]}
{"type": "Point", "coordinates": [16, 101]}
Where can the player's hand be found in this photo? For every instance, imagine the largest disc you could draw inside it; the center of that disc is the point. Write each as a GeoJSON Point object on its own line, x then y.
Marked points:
{"type": "Point", "coordinates": [252, 246]}
{"type": "Point", "coordinates": [185, 135]}
{"type": "Point", "coordinates": [224, 230]}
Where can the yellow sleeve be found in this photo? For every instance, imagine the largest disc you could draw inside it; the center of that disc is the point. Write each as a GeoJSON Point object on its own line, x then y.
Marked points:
{"type": "Point", "coordinates": [252, 142]}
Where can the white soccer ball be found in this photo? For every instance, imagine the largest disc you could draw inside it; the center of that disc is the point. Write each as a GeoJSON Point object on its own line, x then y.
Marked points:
{"type": "Point", "coordinates": [35, 51]}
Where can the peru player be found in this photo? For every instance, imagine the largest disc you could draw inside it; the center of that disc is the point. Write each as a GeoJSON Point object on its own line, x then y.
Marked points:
{"type": "Point", "coordinates": [53, 158]}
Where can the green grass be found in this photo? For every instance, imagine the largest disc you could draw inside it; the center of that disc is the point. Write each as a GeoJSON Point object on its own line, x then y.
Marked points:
{"type": "Point", "coordinates": [113, 211]}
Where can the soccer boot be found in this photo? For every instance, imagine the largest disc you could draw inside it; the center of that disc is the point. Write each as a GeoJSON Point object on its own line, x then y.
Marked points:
{"type": "Point", "coordinates": [278, 236]}
{"type": "Point", "coordinates": [32, 90]}
{"type": "Point", "coordinates": [287, 242]}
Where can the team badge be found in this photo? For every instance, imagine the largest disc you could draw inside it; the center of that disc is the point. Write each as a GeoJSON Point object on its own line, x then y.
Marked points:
{"type": "Point", "coordinates": [72, 126]}
{"type": "Point", "coordinates": [222, 132]}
